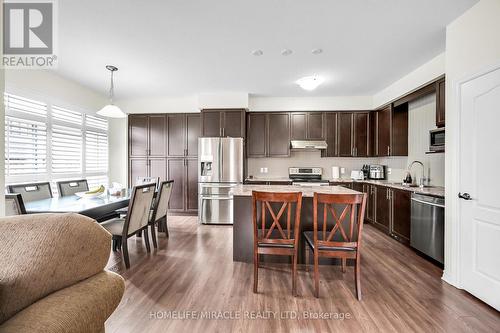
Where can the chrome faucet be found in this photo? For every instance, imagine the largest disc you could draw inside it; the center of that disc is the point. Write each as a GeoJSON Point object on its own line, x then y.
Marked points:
{"type": "Point", "coordinates": [422, 178]}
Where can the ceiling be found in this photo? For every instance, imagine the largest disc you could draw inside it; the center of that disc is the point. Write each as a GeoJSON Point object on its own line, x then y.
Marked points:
{"type": "Point", "coordinates": [184, 47]}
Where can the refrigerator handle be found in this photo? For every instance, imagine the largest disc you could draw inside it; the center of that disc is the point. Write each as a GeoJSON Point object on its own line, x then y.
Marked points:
{"type": "Point", "coordinates": [219, 154]}
{"type": "Point", "coordinates": [221, 160]}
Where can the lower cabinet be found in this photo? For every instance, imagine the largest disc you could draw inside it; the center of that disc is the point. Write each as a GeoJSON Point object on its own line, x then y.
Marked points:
{"type": "Point", "coordinates": [184, 173]}
{"type": "Point", "coordinates": [401, 215]}
{"type": "Point", "coordinates": [382, 208]}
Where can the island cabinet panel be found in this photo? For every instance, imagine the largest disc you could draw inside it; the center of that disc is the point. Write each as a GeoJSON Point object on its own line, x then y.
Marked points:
{"type": "Point", "coordinates": [330, 135]}
{"type": "Point", "coordinates": [278, 135]}
{"type": "Point", "coordinates": [345, 131]}
{"type": "Point", "coordinates": [383, 208]}
{"type": "Point", "coordinates": [361, 134]}
{"type": "Point", "coordinates": [298, 126]}
{"type": "Point", "coordinates": [401, 214]}
{"type": "Point", "coordinates": [384, 121]}
{"type": "Point", "coordinates": [257, 135]}
{"type": "Point", "coordinates": [223, 123]}
{"type": "Point", "coordinates": [440, 102]}
{"type": "Point", "coordinates": [138, 135]}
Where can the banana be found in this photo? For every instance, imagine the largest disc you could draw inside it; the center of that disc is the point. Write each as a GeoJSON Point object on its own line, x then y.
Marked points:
{"type": "Point", "coordinates": [99, 189]}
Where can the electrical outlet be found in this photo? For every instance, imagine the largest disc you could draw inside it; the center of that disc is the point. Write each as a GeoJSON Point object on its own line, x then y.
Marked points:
{"type": "Point", "coordinates": [265, 170]}
{"type": "Point", "coordinates": [389, 171]}
{"type": "Point", "coordinates": [342, 171]}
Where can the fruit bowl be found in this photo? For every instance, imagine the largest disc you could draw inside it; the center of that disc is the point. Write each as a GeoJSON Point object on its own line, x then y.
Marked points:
{"type": "Point", "coordinates": [88, 195]}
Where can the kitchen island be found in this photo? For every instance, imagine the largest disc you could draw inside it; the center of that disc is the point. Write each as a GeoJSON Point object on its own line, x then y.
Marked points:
{"type": "Point", "coordinates": [242, 217]}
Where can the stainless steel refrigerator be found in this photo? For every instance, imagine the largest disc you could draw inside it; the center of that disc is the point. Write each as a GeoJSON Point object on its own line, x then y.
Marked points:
{"type": "Point", "coordinates": [220, 167]}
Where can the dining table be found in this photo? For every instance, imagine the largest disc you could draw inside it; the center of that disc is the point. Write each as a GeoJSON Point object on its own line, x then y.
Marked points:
{"type": "Point", "coordinates": [99, 208]}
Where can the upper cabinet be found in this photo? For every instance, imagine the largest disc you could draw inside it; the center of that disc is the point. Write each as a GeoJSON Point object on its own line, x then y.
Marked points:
{"type": "Point", "coordinates": [361, 127]}
{"type": "Point", "coordinates": [331, 119]}
{"type": "Point", "coordinates": [440, 102]}
{"type": "Point", "coordinates": [307, 125]}
{"type": "Point", "coordinates": [147, 135]}
{"type": "Point", "coordinates": [345, 130]}
{"type": "Point", "coordinates": [392, 131]}
{"type": "Point", "coordinates": [223, 123]}
{"type": "Point", "coordinates": [268, 134]}
{"type": "Point", "coordinates": [183, 131]}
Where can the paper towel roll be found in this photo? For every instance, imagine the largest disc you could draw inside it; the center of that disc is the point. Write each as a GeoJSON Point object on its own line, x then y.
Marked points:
{"type": "Point", "coordinates": [335, 172]}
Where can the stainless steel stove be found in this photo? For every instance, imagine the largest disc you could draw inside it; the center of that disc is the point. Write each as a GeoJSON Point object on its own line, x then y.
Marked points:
{"type": "Point", "coordinates": [307, 176]}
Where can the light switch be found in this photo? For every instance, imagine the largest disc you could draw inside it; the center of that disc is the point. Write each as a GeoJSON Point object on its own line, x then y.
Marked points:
{"type": "Point", "coordinates": [342, 171]}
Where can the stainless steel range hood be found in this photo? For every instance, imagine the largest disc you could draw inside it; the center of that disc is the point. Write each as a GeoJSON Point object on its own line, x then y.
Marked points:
{"type": "Point", "coordinates": [308, 144]}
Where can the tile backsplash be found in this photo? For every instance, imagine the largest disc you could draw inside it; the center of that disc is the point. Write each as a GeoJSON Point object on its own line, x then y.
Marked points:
{"type": "Point", "coordinates": [421, 120]}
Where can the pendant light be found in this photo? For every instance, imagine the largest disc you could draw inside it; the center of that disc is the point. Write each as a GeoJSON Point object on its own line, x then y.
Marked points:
{"type": "Point", "coordinates": [111, 110]}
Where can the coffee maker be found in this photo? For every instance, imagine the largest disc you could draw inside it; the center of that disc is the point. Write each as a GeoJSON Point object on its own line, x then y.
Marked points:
{"type": "Point", "coordinates": [377, 172]}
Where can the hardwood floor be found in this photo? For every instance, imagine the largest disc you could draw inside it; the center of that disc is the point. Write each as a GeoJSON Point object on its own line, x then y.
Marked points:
{"type": "Point", "coordinates": [193, 271]}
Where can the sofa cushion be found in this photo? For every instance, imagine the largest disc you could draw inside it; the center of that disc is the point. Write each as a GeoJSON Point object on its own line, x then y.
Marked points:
{"type": "Point", "coordinates": [43, 253]}
{"type": "Point", "coordinates": [82, 307]}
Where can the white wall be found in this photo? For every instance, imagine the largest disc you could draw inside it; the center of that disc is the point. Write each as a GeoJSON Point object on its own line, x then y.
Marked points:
{"type": "Point", "coordinates": [417, 78]}
{"type": "Point", "coordinates": [310, 103]}
{"type": "Point", "coordinates": [472, 45]}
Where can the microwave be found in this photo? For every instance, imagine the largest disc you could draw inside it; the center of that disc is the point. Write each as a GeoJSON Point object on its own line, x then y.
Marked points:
{"type": "Point", "coordinates": [436, 139]}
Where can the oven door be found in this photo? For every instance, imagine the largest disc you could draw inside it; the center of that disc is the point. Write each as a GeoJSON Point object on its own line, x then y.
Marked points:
{"type": "Point", "coordinates": [215, 204]}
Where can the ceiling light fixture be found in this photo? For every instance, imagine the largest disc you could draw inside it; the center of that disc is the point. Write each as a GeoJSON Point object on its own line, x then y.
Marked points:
{"type": "Point", "coordinates": [257, 53]}
{"type": "Point", "coordinates": [111, 110]}
{"type": "Point", "coordinates": [310, 83]}
{"type": "Point", "coordinates": [286, 52]}
{"type": "Point", "coordinates": [317, 51]}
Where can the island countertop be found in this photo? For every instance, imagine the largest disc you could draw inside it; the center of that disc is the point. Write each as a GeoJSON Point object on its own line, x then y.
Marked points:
{"type": "Point", "coordinates": [307, 191]}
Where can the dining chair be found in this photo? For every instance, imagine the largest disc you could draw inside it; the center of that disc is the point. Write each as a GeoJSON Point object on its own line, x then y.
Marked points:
{"type": "Point", "coordinates": [274, 238]}
{"type": "Point", "coordinates": [160, 209]}
{"type": "Point", "coordinates": [14, 205]}
{"type": "Point", "coordinates": [340, 238]}
{"type": "Point", "coordinates": [70, 187]}
{"type": "Point", "coordinates": [32, 192]}
{"type": "Point", "coordinates": [147, 180]}
{"type": "Point", "coordinates": [137, 220]}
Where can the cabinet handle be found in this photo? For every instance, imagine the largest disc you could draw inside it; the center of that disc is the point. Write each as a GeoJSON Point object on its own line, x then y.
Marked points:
{"type": "Point", "coordinates": [223, 132]}
{"type": "Point", "coordinates": [388, 150]}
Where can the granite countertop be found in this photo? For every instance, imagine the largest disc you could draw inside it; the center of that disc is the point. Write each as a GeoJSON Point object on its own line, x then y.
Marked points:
{"type": "Point", "coordinates": [307, 191]}
{"type": "Point", "coordinates": [437, 191]}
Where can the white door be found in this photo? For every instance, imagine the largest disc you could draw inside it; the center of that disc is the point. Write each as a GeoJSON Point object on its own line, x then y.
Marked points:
{"type": "Point", "coordinates": [479, 179]}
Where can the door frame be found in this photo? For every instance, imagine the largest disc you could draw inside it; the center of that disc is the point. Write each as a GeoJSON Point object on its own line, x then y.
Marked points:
{"type": "Point", "coordinates": [453, 222]}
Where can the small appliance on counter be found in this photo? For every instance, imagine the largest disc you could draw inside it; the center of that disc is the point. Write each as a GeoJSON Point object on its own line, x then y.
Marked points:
{"type": "Point", "coordinates": [307, 176]}
{"type": "Point", "coordinates": [436, 140]}
{"type": "Point", "coordinates": [335, 172]}
{"type": "Point", "coordinates": [377, 172]}
{"type": "Point", "coordinates": [357, 175]}
{"type": "Point", "coordinates": [366, 170]}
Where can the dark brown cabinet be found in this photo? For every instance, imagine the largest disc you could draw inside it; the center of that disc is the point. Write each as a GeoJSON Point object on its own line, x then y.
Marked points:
{"type": "Point", "coordinates": [183, 131]}
{"type": "Point", "coordinates": [343, 184]}
{"type": "Point", "coordinates": [361, 134]}
{"type": "Point", "coordinates": [401, 214]}
{"type": "Point", "coordinates": [268, 135]}
{"type": "Point", "coordinates": [330, 135]}
{"type": "Point", "coordinates": [392, 131]}
{"type": "Point", "coordinates": [371, 201]}
{"type": "Point", "coordinates": [166, 146]}
{"type": "Point", "coordinates": [440, 102]}
{"type": "Point", "coordinates": [383, 208]}
{"type": "Point", "coordinates": [147, 133]}
{"type": "Point", "coordinates": [307, 125]}
{"type": "Point", "coordinates": [345, 121]}
{"type": "Point", "coordinates": [223, 123]}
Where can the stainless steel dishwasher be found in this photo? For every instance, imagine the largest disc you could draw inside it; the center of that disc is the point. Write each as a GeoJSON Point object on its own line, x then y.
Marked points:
{"type": "Point", "coordinates": [427, 225]}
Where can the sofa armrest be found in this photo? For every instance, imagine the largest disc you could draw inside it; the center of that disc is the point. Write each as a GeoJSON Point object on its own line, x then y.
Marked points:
{"type": "Point", "coordinates": [82, 307]}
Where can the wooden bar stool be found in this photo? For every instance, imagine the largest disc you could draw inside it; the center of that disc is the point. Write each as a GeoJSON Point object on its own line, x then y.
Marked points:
{"type": "Point", "coordinates": [274, 238]}
{"type": "Point", "coordinates": [342, 240]}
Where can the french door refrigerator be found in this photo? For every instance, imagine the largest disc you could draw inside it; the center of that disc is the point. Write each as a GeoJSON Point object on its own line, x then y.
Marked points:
{"type": "Point", "coordinates": [220, 168]}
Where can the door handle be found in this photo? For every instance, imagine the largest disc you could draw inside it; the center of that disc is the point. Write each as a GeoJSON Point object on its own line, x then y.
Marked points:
{"type": "Point", "coordinates": [465, 196]}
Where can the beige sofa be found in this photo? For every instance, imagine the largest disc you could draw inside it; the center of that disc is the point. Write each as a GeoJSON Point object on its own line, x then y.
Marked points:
{"type": "Point", "coordinates": [52, 276]}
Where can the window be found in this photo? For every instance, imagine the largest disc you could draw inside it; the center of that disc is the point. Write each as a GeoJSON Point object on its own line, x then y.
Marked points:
{"type": "Point", "coordinates": [45, 142]}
